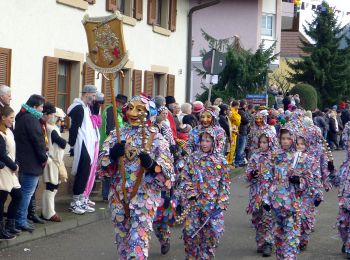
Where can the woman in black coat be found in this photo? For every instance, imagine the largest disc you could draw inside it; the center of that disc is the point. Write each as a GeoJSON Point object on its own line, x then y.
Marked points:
{"type": "Point", "coordinates": [225, 124]}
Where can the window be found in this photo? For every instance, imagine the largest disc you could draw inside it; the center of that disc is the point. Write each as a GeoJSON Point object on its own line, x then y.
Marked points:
{"type": "Point", "coordinates": [162, 13]}
{"type": "Point", "coordinates": [5, 66]}
{"type": "Point", "coordinates": [132, 8]}
{"type": "Point", "coordinates": [267, 25]}
{"type": "Point", "coordinates": [156, 85]}
{"type": "Point", "coordinates": [63, 90]}
{"type": "Point", "coordinates": [120, 85]}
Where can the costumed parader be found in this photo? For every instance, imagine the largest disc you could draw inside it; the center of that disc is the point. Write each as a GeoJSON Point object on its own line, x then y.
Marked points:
{"type": "Point", "coordinates": [55, 171]}
{"type": "Point", "coordinates": [82, 138]}
{"type": "Point", "coordinates": [291, 176]}
{"type": "Point", "coordinates": [208, 119]}
{"type": "Point", "coordinates": [259, 176]}
{"type": "Point", "coordinates": [143, 167]}
{"type": "Point", "coordinates": [206, 187]}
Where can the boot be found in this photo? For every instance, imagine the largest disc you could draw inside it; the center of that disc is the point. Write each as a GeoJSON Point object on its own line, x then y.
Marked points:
{"type": "Point", "coordinates": [11, 227]}
{"type": "Point", "coordinates": [48, 211]}
{"type": "Point", "coordinates": [4, 235]}
{"type": "Point", "coordinates": [267, 250]}
{"type": "Point", "coordinates": [32, 212]}
{"type": "Point", "coordinates": [343, 249]}
{"type": "Point", "coordinates": [164, 249]}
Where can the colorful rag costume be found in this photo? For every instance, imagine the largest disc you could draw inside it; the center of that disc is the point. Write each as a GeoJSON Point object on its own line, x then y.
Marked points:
{"type": "Point", "coordinates": [260, 161]}
{"type": "Point", "coordinates": [192, 144]}
{"type": "Point", "coordinates": [133, 231]}
{"type": "Point", "coordinates": [235, 120]}
{"type": "Point", "coordinates": [260, 127]}
{"type": "Point", "coordinates": [284, 198]}
{"type": "Point", "coordinates": [342, 181]}
{"type": "Point", "coordinates": [206, 184]}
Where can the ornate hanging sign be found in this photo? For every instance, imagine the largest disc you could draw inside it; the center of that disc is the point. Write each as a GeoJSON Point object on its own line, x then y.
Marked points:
{"type": "Point", "coordinates": [107, 52]}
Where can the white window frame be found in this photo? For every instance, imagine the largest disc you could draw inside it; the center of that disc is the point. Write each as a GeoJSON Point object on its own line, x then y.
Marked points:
{"type": "Point", "coordinates": [264, 25]}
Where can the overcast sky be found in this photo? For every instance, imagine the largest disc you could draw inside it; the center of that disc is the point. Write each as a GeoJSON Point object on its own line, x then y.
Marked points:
{"type": "Point", "coordinates": [341, 4]}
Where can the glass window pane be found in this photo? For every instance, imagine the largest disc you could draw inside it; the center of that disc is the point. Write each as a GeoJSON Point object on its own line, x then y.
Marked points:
{"type": "Point", "coordinates": [61, 101]}
{"type": "Point", "coordinates": [62, 84]}
{"type": "Point", "coordinates": [62, 69]}
{"type": "Point", "coordinates": [269, 22]}
{"type": "Point", "coordinates": [116, 86]}
{"type": "Point", "coordinates": [159, 11]}
{"type": "Point", "coordinates": [121, 5]}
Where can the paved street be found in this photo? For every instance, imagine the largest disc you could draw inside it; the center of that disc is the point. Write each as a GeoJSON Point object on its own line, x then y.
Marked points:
{"type": "Point", "coordinates": [94, 241]}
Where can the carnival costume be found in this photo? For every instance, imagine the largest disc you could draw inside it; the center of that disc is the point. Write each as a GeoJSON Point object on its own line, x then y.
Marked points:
{"type": "Point", "coordinates": [291, 175]}
{"type": "Point", "coordinates": [135, 193]}
{"type": "Point", "coordinates": [206, 185]}
{"type": "Point", "coordinates": [342, 181]}
{"type": "Point", "coordinates": [259, 175]}
{"type": "Point", "coordinates": [235, 120]}
{"type": "Point", "coordinates": [193, 145]}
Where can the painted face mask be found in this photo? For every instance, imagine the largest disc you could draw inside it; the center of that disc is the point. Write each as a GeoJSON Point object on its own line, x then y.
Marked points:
{"type": "Point", "coordinates": [135, 111]}
{"type": "Point", "coordinates": [206, 119]}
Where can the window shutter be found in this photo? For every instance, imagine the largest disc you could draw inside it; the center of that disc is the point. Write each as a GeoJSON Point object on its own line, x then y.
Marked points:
{"type": "Point", "coordinates": [50, 79]}
{"type": "Point", "coordinates": [172, 15]}
{"type": "Point", "coordinates": [148, 83]}
{"type": "Point", "coordinates": [138, 9]}
{"type": "Point", "coordinates": [111, 5]}
{"type": "Point", "coordinates": [136, 82]}
{"type": "Point", "coordinates": [171, 85]}
{"type": "Point", "coordinates": [5, 66]}
{"type": "Point", "coordinates": [106, 90]}
{"type": "Point", "coordinates": [88, 75]}
{"type": "Point", "coordinates": [151, 12]}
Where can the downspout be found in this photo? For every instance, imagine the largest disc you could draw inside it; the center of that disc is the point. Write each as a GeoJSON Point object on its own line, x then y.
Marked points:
{"type": "Point", "coordinates": [189, 45]}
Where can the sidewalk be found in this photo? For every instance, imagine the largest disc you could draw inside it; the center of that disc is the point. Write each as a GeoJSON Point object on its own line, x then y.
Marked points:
{"type": "Point", "coordinates": [70, 221]}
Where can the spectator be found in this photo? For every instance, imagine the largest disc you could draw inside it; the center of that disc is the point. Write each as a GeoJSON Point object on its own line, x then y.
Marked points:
{"type": "Point", "coordinates": [55, 171]}
{"type": "Point", "coordinates": [169, 102]}
{"type": "Point", "coordinates": [297, 100]}
{"type": "Point", "coordinates": [218, 102]}
{"type": "Point", "coordinates": [333, 130]}
{"type": "Point", "coordinates": [197, 108]}
{"type": "Point", "coordinates": [5, 96]}
{"type": "Point", "coordinates": [320, 121]}
{"type": "Point", "coordinates": [286, 101]}
{"type": "Point", "coordinates": [235, 120]}
{"type": "Point", "coordinates": [340, 132]}
{"type": "Point", "coordinates": [82, 139]}
{"type": "Point", "coordinates": [30, 154]}
{"type": "Point", "coordinates": [240, 159]}
{"type": "Point", "coordinates": [279, 100]}
{"type": "Point", "coordinates": [186, 109]}
{"type": "Point", "coordinates": [345, 114]}
{"type": "Point", "coordinates": [226, 125]}
{"type": "Point", "coordinates": [9, 184]}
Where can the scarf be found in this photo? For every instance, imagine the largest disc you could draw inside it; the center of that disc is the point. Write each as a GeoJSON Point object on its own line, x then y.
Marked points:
{"type": "Point", "coordinates": [32, 111]}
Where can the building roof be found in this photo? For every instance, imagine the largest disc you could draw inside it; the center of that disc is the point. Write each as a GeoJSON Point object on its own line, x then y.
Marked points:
{"type": "Point", "coordinates": [290, 42]}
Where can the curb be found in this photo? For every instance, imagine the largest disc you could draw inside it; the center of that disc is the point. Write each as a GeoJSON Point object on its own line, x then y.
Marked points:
{"type": "Point", "coordinates": [49, 229]}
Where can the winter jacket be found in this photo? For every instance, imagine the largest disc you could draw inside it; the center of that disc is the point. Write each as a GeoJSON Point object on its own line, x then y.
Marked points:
{"type": "Point", "coordinates": [30, 144]}
{"type": "Point", "coordinates": [345, 116]}
{"type": "Point", "coordinates": [321, 123]}
{"type": "Point", "coordinates": [243, 128]}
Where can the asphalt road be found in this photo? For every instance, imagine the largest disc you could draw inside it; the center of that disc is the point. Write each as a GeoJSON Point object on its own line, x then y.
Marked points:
{"type": "Point", "coordinates": [95, 241]}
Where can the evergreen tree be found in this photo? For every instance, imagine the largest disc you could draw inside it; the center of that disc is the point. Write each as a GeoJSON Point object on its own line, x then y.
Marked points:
{"type": "Point", "coordinates": [324, 65]}
{"type": "Point", "coordinates": [245, 71]}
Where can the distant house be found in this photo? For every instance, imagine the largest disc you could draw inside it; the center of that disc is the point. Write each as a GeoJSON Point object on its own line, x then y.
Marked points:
{"type": "Point", "coordinates": [251, 20]}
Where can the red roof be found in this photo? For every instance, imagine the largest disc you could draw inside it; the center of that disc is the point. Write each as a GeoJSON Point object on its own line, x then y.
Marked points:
{"type": "Point", "coordinates": [290, 42]}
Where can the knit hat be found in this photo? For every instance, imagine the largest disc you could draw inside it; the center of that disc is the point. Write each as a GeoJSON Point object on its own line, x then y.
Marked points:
{"type": "Point", "coordinates": [161, 109]}
{"type": "Point", "coordinates": [342, 105]}
{"type": "Point", "coordinates": [89, 89]}
{"type": "Point", "coordinates": [59, 113]}
{"type": "Point", "coordinates": [100, 96]}
{"type": "Point", "coordinates": [159, 101]}
{"type": "Point", "coordinates": [170, 100]}
{"type": "Point", "coordinates": [197, 107]}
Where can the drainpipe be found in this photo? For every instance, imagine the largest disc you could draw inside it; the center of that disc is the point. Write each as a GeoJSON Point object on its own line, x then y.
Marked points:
{"type": "Point", "coordinates": [189, 45]}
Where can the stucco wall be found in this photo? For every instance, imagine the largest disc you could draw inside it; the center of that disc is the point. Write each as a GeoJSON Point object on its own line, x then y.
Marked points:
{"type": "Point", "coordinates": [34, 29]}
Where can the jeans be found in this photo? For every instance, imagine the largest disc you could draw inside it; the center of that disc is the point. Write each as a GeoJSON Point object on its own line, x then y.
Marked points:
{"type": "Point", "coordinates": [28, 186]}
{"type": "Point", "coordinates": [240, 150]}
{"type": "Point", "coordinates": [106, 182]}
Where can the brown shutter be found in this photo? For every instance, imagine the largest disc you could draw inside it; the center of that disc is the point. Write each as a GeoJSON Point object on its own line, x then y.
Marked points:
{"type": "Point", "coordinates": [88, 75]}
{"type": "Point", "coordinates": [172, 15]}
{"type": "Point", "coordinates": [106, 90]}
{"type": "Point", "coordinates": [171, 85]}
{"type": "Point", "coordinates": [50, 79]}
{"type": "Point", "coordinates": [5, 66]}
{"type": "Point", "coordinates": [111, 5]}
{"type": "Point", "coordinates": [138, 9]}
{"type": "Point", "coordinates": [136, 82]}
{"type": "Point", "coordinates": [148, 83]}
{"type": "Point", "coordinates": [151, 12]}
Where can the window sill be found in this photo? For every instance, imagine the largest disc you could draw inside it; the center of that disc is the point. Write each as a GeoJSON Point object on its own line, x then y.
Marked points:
{"type": "Point", "coordinates": [161, 30]}
{"type": "Point", "coordinates": [129, 20]}
{"type": "Point", "coordinates": [80, 4]}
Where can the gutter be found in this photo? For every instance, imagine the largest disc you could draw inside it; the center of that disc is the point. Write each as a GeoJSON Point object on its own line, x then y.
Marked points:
{"type": "Point", "coordinates": [189, 45]}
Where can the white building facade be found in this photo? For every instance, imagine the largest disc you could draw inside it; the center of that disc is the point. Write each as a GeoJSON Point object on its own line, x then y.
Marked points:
{"type": "Point", "coordinates": [43, 47]}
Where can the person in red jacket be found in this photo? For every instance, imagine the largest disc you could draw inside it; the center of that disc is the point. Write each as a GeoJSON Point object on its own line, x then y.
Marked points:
{"type": "Point", "coordinates": [169, 102]}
